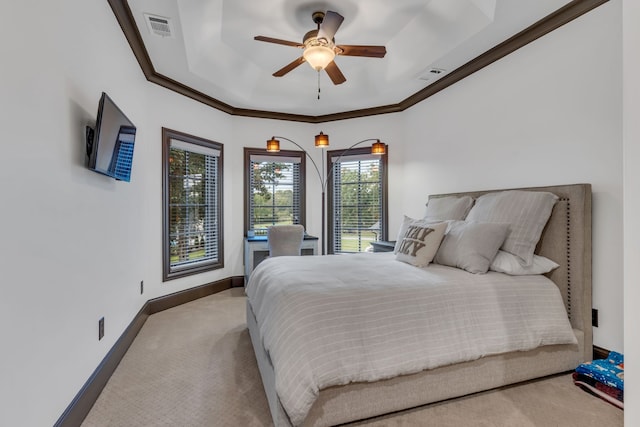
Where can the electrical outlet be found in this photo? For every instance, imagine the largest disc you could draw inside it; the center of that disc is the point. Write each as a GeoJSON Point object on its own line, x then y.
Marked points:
{"type": "Point", "coordinates": [594, 317]}
{"type": "Point", "coordinates": [100, 328]}
{"type": "Point", "coordinates": [141, 287]}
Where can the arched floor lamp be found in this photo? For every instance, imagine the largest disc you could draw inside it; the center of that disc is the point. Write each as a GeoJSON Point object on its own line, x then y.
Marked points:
{"type": "Point", "coordinates": [322, 141]}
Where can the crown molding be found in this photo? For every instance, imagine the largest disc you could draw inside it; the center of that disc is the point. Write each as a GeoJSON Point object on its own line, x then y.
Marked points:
{"type": "Point", "coordinates": [547, 24]}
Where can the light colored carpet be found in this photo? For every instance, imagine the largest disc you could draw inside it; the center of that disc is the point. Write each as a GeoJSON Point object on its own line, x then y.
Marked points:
{"type": "Point", "coordinates": [193, 365]}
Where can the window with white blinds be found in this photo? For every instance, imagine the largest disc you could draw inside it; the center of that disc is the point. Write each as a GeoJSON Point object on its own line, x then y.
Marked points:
{"type": "Point", "coordinates": [192, 198]}
{"type": "Point", "coordinates": [274, 189]}
{"type": "Point", "coordinates": [357, 200]}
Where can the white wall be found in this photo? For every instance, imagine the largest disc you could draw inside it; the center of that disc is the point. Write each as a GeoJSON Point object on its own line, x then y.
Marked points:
{"type": "Point", "coordinates": [78, 243]}
{"type": "Point", "coordinates": [550, 113]}
{"type": "Point", "coordinates": [631, 155]}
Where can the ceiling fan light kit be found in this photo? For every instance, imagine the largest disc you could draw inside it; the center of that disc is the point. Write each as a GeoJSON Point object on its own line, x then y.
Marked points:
{"type": "Point", "coordinates": [318, 56]}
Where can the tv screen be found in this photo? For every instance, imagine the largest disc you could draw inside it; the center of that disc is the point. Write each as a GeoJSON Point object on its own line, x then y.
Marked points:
{"type": "Point", "coordinates": [110, 144]}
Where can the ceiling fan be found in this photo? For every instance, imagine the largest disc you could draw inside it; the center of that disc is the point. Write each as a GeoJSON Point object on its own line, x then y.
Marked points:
{"type": "Point", "coordinates": [320, 48]}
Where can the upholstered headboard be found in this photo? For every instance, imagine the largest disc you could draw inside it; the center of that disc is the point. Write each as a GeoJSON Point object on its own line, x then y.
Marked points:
{"type": "Point", "coordinates": [567, 240]}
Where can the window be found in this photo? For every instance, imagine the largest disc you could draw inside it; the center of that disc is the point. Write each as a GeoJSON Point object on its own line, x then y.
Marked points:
{"type": "Point", "coordinates": [274, 189]}
{"type": "Point", "coordinates": [357, 199]}
{"type": "Point", "coordinates": [192, 197]}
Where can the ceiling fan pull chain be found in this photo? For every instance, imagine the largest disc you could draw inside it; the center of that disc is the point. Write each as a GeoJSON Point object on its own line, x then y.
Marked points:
{"type": "Point", "coordinates": [318, 84]}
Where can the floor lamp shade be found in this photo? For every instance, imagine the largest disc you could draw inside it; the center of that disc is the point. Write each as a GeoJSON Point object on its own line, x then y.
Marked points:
{"type": "Point", "coordinates": [378, 148]}
{"type": "Point", "coordinates": [273, 145]}
{"type": "Point", "coordinates": [322, 140]}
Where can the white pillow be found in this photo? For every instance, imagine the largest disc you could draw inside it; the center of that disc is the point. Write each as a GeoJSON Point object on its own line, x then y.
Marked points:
{"type": "Point", "coordinates": [471, 246]}
{"type": "Point", "coordinates": [504, 262]}
{"type": "Point", "coordinates": [420, 242]}
{"type": "Point", "coordinates": [449, 207]}
{"type": "Point", "coordinates": [526, 212]}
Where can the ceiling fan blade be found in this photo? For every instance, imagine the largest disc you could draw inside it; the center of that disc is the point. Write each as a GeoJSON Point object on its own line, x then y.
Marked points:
{"type": "Point", "coordinates": [369, 51]}
{"type": "Point", "coordinates": [278, 41]}
{"type": "Point", "coordinates": [284, 70]}
{"type": "Point", "coordinates": [330, 24]}
{"type": "Point", "coordinates": [335, 74]}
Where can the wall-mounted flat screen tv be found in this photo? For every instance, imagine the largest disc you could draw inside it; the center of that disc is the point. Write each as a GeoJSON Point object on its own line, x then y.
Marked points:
{"type": "Point", "coordinates": [110, 143]}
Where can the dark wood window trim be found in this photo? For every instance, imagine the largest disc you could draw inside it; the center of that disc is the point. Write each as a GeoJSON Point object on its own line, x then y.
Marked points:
{"type": "Point", "coordinates": [248, 152]}
{"type": "Point", "coordinates": [384, 220]}
{"type": "Point", "coordinates": [167, 274]}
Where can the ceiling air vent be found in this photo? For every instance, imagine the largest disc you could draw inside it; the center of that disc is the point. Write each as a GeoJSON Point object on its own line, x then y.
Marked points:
{"type": "Point", "coordinates": [159, 25]}
{"type": "Point", "coordinates": [432, 74]}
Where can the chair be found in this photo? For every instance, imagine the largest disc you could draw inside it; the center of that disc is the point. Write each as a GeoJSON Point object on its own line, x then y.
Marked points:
{"type": "Point", "coordinates": [285, 239]}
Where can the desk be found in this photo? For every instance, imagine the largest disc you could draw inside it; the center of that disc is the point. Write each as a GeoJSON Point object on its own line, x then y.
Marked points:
{"type": "Point", "coordinates": [256, 249]}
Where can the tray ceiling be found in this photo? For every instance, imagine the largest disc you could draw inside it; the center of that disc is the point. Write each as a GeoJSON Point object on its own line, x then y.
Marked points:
{"type": "Point", "coordinates": [208, 52]}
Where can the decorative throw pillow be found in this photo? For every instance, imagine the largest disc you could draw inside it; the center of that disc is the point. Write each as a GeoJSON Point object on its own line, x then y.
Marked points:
{"type": "Point", "coordinates": [420, 242]}
{"type": "Point", "coordinates": [448, 207]}
{"type": "Point", "coordinates": [406, 221]}
{"type": "Point", "coordinates": [471, 245]}
{"type": "Point", "coordinates": [403, 229]}
{"type": "Point", "coordinates": [526, 212]}
{"type": "Point", "coordinates": [504, 262]}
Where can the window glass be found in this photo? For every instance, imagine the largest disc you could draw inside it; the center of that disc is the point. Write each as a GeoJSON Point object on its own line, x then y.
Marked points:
{"type": "Point", "coordinates": [192, 197]}
{"type": "Point", "coordinates": [274, 189]}
{"type": "Point", "coordinates": [357, 200]}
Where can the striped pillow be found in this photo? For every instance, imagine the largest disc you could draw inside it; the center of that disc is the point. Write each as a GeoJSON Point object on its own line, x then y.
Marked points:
{"type": "Point", "coordinates": [448, 207]}
{"type": "Point", "coordinates": [526, 212]}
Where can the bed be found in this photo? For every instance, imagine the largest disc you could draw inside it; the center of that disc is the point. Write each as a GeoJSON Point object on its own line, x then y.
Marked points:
{"type": "Point", "coordinates": [565, 239]}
